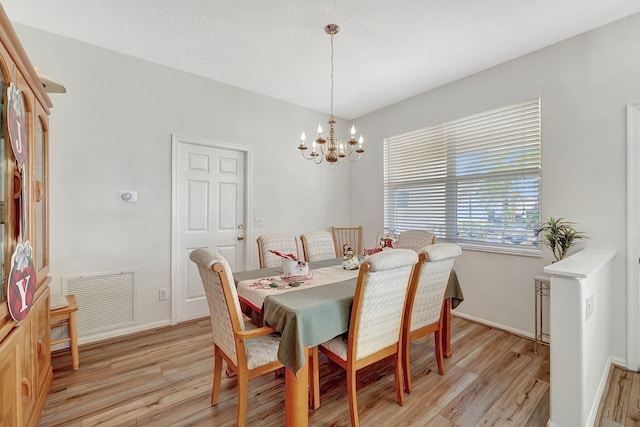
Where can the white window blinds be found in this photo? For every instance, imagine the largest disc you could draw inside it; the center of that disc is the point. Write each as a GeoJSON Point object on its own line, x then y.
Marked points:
{"type": "Point", "coordinates": [474, 181]}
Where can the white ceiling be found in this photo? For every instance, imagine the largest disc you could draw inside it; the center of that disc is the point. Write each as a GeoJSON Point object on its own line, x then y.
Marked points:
{"type": "Point", "coordinates": [386, 51]}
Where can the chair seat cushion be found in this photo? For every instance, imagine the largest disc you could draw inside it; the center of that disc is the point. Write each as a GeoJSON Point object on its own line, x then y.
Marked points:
{"type": "Point", "coordinates": [337, 346]}
{"type": "Point", "coordinates": [262, 350]}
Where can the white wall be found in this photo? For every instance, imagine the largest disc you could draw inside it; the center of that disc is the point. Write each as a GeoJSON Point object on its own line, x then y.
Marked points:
{"type": "Point", "coordinates": [585, 84]}
{"type": "Point", "coordinates": [112, 131]}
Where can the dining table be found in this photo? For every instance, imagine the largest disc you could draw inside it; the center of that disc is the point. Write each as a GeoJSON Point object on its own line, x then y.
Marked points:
{"type": "Point", "coordinates": [308, 311]}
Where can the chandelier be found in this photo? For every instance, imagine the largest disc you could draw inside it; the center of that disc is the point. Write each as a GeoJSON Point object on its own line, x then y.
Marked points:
{"type": "Point", "coordinates": [332, 150]}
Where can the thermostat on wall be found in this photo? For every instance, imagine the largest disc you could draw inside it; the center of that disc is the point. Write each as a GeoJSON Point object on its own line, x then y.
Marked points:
{"type": "Point", "coordinates": [129, 196]}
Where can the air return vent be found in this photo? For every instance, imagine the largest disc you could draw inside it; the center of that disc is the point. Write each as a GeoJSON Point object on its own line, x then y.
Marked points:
{"type": "Point", "coordinates": [105, 301]}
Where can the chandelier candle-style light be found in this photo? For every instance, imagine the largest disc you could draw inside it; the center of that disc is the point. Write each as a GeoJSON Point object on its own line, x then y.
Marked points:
{"type": "Point", "coordinates": [333, 150]}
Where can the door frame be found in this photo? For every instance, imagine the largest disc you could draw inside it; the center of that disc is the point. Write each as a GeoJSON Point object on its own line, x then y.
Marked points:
{"type": "Point", "coordinates": [177, 139]}
{"type": "Point", "coordinates": [633, 236]}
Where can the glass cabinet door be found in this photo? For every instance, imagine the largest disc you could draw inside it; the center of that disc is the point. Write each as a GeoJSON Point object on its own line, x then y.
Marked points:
{"type": "Point", "coordinates": [4, 264]}
{"type": "Point", "coordinates": [41, 256]}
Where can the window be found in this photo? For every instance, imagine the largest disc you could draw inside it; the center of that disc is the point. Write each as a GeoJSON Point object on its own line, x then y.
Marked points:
{"type": "Point", "coordinates": [474, 181]}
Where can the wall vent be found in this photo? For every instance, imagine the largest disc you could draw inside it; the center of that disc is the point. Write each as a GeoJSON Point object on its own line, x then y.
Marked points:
{"type": "Point", "coordinates": [105, 300]}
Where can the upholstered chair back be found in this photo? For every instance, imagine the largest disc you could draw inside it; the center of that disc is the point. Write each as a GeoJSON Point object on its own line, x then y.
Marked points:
{"type": "Point", "coordinates": [432, 283]}
{"type": "Point", "coordinates": [380, 298]}
{"type": "Point", "coordinates": [281, 242]}
{"type": "Point", "coordinates": [415, 240]}
{"type": "Point", "coordinates": [318, 245]}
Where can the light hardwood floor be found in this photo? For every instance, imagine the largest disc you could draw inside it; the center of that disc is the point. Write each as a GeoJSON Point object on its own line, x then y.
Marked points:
{"type": "Point", "coordinates": [163, 377]}
{"type": "Point", "coordinates": [620, 405]}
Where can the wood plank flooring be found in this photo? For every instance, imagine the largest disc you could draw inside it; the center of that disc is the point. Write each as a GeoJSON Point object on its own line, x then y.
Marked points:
{"type": "Point", "coordinates": [163, 377]}
{"type": "Point", "coordinates": [620, 405]}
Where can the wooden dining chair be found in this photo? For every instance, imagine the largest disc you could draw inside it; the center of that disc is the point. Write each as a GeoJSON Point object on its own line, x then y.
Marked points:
{"type": "Point", "coordinates": [248, 353]}
{"type": "Point", "coordinates": [415, 240]}
{"type": "Point", "coordinates": [281, 242]}
{"type": "Point", "coordinates": [317, 245]}
{"type": "Point", "coordinates": [351, 236]}
{"type": "Point", "coordinates": [425, 302]}
{"type": "Point", "coordinates": [375, 328]}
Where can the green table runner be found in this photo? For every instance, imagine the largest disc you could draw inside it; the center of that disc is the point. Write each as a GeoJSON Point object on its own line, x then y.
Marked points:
{"type": "Point", "coordinates": [309, 317]}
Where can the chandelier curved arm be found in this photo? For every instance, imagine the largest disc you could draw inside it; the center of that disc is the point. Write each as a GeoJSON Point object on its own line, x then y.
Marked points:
{"type": "Point", "coordinates": [314, 155]}
{"type": "Point", "coordinates": [351, 148]}
{"type": "Point", "coordinates": [352, 160]}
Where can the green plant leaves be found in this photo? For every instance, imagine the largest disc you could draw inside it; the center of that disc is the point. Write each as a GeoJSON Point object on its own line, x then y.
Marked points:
{"type": "Point", "coordinates": [560, 236]}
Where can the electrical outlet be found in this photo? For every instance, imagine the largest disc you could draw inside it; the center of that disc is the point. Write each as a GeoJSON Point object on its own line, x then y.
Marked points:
{"type": "Point", "coordinates": [589, 307]}
{"type": "Point", "coordinates": [163, 294]}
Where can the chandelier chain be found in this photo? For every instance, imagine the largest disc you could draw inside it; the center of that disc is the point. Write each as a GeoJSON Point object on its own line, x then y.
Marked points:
{"type": "Point", "coordinates": [331, 75]}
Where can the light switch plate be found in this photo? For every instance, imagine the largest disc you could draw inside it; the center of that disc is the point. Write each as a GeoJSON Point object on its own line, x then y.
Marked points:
{"type": "Point", "coordinates": [258, 221]}
{"type": "Point", "coordinates": [589, 307]}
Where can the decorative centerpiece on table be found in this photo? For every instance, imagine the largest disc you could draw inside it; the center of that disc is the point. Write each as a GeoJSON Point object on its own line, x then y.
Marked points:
{"type": "Point", "coordinates": [560, 236]}
{"type": "Point", "coordinates": [293, 269]}
{"type": "Point", "coordinates": [350, 259]}
{"type": "Point", "coordinates": [386, 238]}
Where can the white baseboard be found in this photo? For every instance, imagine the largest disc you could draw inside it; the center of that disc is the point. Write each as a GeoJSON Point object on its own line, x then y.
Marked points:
{"type": "Point", "coordinates": [494, 325]}
{"type": "Point", "coordinates": [121, 331]}
{"type": "Point", "coordinates": [599, 392]}
{"type": "Point", "coordinates": [620, 362]}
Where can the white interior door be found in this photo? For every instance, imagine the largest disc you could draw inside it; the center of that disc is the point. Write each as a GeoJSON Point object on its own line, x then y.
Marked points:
{"type": "Point", "coordinates": [209, 212]}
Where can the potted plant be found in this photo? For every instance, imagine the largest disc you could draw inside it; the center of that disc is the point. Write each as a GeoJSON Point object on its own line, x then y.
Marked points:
{"type": "Point", "coordinates": [560, 236]}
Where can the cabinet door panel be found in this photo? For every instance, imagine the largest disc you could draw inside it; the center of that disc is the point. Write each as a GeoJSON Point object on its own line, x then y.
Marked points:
{"type": "Point", "coordinates": [4, 202]}
{"type": "Point", "coordinates": [10, 384]}
{"type": "Point", "coordinates": [40, 189]}
{"type": "Point", "coordinates": [27, 369]}
{"type": "Point", "coordinates": [42, 344]}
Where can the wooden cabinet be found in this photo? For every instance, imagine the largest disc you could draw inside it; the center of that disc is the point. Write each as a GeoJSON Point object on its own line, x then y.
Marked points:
{"type": "Point", "coordinates": [10, 378]}
{"type": "Point", "coordinates": [25, 354]}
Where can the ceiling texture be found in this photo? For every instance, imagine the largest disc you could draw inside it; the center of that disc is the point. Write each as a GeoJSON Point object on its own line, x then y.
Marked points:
{"type": "Point", "coordinates": [386, 50]}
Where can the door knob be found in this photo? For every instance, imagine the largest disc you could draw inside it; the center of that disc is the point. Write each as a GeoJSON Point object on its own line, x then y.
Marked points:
{"type": "Point", "coordinates": [240, 237]}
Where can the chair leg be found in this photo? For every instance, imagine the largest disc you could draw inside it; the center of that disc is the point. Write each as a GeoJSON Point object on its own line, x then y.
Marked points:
{"type": "Point", "coordinates": [397, 361]}
{"type": "Point", "coordinates": [439, 353]}
{"type": "Point", "coordinates": [406, 370]}
{"type": "Point", "coordinates": [243, 398]}
{"type": "Point", "coordinates": [217, 376]}
{"type": "Point", "coordinates": [314, 378]}
{"type": "Point", "coordinates": [353, 400]}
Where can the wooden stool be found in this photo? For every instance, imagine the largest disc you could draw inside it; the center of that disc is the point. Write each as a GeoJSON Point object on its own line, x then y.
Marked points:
{"type": "Point", "coordinates": [68, 316]}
